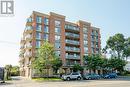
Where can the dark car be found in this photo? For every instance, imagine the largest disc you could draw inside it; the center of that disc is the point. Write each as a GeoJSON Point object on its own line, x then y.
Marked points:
{"type": "Point", "coordinates": [110, 75]}
{"type": "Point", "coordinates": [1, 74]}
{"type": "Point", "coordinates": [91, 76]}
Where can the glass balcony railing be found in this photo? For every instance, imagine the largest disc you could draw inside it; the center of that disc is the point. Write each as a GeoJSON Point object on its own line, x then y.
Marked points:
{"type": "Point", "coordinates": [29, 28]}
{"type": "Point", "coordinates": [72, 35]}
{"type": "Point", "coordinates": [72, 42]}
{"type": "Point", "coordinates": [28, 45]}
{"type": "Point", "coordinates": [29, 19]}
{"type": "Point", "coordinates": [72, 63]}
{"type": "Point", "coordinates": [22, 46]}
{"type": "Point", "coordinates": [28, 37]}
{"type": "Point", "coordinates": [70, 27]}
{"type": "Point", "coordinates": [72, 57]}
{"type": "Point", "coordinates": [72, 49]}
{"type": "Point", "coordinates": [27, 54]}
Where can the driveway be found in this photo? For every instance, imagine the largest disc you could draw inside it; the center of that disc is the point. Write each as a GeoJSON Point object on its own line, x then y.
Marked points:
{"type": "Point", "coordinates": [23, 82]}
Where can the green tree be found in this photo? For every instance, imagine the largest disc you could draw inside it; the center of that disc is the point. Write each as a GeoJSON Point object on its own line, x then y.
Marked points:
{"type": "Point", "coordinates": [15, 71]}
{"type": "Point", "coordinates": [116, 44]}
{"type": "Point", "coordinates": [126, 52]}
{"type": "Point", "coordinates": [56, 64]}
{"type": "Point", "coordinates": [45, 57]}
{"type": "Point", "coordinates": [77, 67]}
{"type": "Point", "coordinates": [117, 64]}
{"type": "Point", "coordinates": [8, 71]}
{"type": "Point", "coordinates": [93, 62]}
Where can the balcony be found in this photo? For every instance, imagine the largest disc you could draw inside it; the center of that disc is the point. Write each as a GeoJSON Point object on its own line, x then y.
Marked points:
{"type": "Point", "coordinates": [72, 49]}
{"type": "Point", "coordinates": [22, 46]}
{"type": "Point", "coordinates": [29, 19]}
{"type": "Point", "coordinates": [28, 46]}
{"type": "Point", "coordinates": [28, 37]}
{"type": "Point", "coordinates": [71, 42]}
{"type": "Point", "coordinates": [27, 54]}
{"type": "Point", "coordinates": [21, 59]}
{"type": "Point", "coordinates": [71, 28]}
{"type": "Point", "coordinates": [73, 57]}
{"type": "Point", "coordinates": [72, 35]}
{"type": "Point", "coordinates": [72, 63]}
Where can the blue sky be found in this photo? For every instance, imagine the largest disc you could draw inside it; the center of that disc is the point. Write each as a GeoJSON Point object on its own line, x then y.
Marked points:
{"type": "Point", "coordinates": [111, 16]}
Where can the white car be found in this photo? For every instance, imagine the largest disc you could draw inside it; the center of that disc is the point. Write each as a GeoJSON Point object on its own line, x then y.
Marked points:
{"type": "Point", "coordinates": [73, 75]}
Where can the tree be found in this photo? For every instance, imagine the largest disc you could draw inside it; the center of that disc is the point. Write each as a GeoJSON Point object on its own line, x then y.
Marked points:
{"type": "Point", "coordinates": [77, 67]}
{"type": "Point", "coordinates": [8, 71]}
{"type": "Point", "coordinates": [56, 64]}
{"type": "Point", "coordinates": [93, 62]}
{"type": "Point", "coordinates": [126, 52]}
{"type": "Point", "coordinates": [45, 57]}
{"type": "Point", "coordinates": [116, 44]}
{"type": "Point", "coordinates": [15, 71]}
{"type": "Point", "coordinates": [117, 64]}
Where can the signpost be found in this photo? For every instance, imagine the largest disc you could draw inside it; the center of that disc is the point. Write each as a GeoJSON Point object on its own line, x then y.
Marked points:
{"type": "Point", "coordinates": [2, 74]}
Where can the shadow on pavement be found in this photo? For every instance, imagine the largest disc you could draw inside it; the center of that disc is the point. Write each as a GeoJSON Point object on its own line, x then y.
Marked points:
{"type": "Point", "coordinates": [6, 83]}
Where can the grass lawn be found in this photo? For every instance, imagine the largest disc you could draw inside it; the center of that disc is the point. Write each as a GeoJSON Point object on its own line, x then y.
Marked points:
{"type": "Point", "coordinates": [46, 79]}
{"type": "Point", "coordinates": [128, 75]}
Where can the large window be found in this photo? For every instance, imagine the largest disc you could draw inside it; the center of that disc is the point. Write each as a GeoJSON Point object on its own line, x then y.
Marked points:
{"type": "Point", "coordinates": [46, 21]}
{"type": "Point", "coordinates": [29, 19]}
{"type": "Point", "coordinates": [57, 23]}
{"type": "Point", "coordinates": [38, 43]}
{"type": "Point", "coordinates": [46, 37]}
{"type": "Point", "coordinates": [57, 38]}
{"type": "Point", "coordinates": [85, 36]}
{"type": "Point", "coordinates": [39, 19]}
{"type": "Point", "coordinates": [85, 30]}
{"type": "Point", "coordinates": [85, 42]}
{"type": "Point", "coordinates": [46, 29]}
{"type": "Point", "coordinates": [85, 49]}
{"type": "Point", "coordinates": [57, 53]}
{"type": "Point", "coordinates": [38, 35]}
{"type": "Point", "coordinates": [57, 45]}
{"type": "Point", "coordinates": [38, 27]}
{"type": "Point", "coordinates": [29, 27]}
{"type": "Point", "coordinates": [57, 30]}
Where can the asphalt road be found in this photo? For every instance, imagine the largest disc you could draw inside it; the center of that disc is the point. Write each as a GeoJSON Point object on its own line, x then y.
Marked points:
{"type": "Point", "coordinates": [22, 82]}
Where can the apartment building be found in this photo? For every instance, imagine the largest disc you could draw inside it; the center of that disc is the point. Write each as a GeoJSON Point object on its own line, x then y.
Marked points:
{"type": "Point", "coordinates": [71, 40]}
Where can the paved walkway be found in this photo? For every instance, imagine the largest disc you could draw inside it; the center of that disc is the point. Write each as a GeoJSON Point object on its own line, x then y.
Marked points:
{"type": "Point", "coordinates": [23, 82]}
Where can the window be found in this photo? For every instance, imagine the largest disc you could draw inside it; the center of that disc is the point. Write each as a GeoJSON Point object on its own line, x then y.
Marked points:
{"type": "Point", "coordinates": [46, 29]}
{"type": "Point", "coordinates": [85, 42]}
{"type": "Point", "coordinates": [85, 30]}
{"type": "Point", "coordinates": [57, 38]}
{"type": "Point", "coordinates": [38, 27]}
{"type": "Point", "coordinates": [29, 19]}
{"type": "Point", "coordinates": [46, 21]}
{"type": "Point", "coordinates": [46, 37]}
{"type": "Point", "coordinates": [57, 23]}
{"type": "Point", "coordinates": [85, 49]}
{"type": "Point", "coordinates": [38, 43]}
{"type": "Point", "coordinates": [85, 36]}
{"type": "Point", "coordinates": [57, 30]}
{"type": "Point", "coordinates": [39, 19]}
{"type": "Point", "coordinates": [29, 27]}
{"type": "Point", "coordinates": [57, 53]}
{"type": "Point", "coordinates": [38, 35]}
{"type": "Point", "coordinates": [57, 45]}
{"type": "Point", "coordinates": [92, 50]}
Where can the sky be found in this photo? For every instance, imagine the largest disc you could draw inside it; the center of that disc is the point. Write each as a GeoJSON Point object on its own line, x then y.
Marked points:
{"type": "Point", "coordinates": [111, 16]}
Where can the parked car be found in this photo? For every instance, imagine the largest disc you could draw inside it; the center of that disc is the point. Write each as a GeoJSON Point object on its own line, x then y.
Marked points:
{"type": "Point", "coordinates": [2, 74]}
{"type": "Point", "coordinates": [91, 76]}
{"type": "Point", "coordinates": [72, 76]}
{"type": "Point", "coordinates": [110, 75]}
